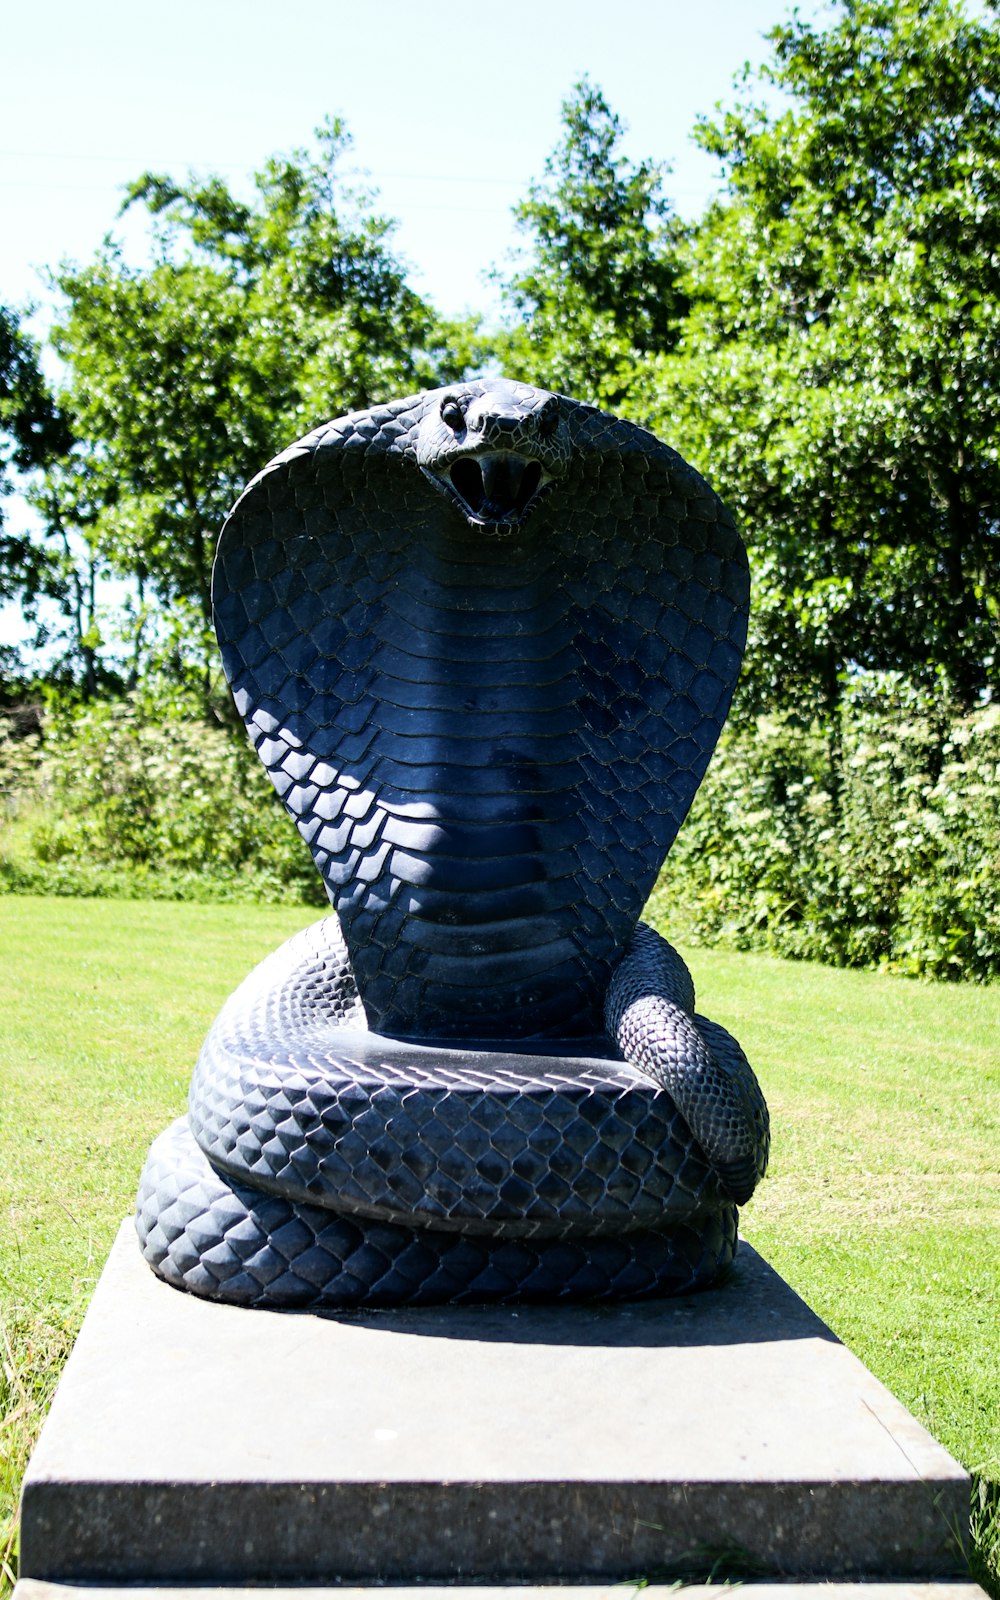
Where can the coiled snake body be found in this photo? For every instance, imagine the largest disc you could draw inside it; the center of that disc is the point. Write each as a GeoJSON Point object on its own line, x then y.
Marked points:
{"type": "Point", "coordinates": [484, 640]}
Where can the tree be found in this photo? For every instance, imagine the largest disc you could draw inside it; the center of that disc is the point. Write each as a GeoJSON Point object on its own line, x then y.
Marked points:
{"type": "Point", "coordinates": [253, 322]}
{"type": "Point", "coordinates": [598, 292]}
{"type": "Point", "coordinates": [34, 433]}
{"type": "Point", "coordinates": [31, 426]}
{"type": "Point", "coordinates": [837, 377]}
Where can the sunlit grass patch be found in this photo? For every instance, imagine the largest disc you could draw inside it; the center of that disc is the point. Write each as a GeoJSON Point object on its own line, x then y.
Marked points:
{"type": "Point", "coordinates": [33, 1347]}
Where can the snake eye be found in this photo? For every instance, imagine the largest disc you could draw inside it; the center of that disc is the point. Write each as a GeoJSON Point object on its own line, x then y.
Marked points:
{"type": "Point", "coordinates": [452, 413]}
{"type": "Point", "coordinates": [548, 417]}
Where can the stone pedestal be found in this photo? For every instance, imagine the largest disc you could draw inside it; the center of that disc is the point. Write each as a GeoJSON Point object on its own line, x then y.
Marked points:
{"type": "Point", "coordinates": [192, 1443]}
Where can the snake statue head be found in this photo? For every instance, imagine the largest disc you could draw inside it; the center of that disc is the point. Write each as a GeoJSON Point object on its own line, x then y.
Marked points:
{"type": "Point", "coordinates": [494, 453]}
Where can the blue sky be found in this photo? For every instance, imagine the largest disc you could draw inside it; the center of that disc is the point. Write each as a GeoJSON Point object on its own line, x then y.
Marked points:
{"type": "Point", "coordinates": [453, 108]}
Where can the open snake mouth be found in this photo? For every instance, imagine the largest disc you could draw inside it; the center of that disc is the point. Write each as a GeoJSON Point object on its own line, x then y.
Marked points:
{"type": "Point", "coordinates": [495, 488]}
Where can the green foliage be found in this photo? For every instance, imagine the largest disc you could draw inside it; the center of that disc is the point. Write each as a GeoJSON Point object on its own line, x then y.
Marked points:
{"type": "Point", "coordinates": [872, 841]}
{"type": "Point", "coordinates": [141, 797]}
{"type": "Point", "coordinates": [32, 429]}
{"type": "Point", "coordinates": [252, 323]}
{"type": "Point", "coordinates": [32, 433]}
{"type": "Point", "coordinates": [837, 374]}
{"type": "Point", "coordinates": [598, 290]}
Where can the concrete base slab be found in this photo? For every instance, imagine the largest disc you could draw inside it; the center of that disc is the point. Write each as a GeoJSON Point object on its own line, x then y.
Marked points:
{"type": "Point", "coordinates": [200, 1443]}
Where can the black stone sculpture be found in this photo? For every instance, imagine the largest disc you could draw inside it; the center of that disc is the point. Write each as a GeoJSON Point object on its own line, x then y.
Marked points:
{"type": "Point", "coordinates": [484, 640]}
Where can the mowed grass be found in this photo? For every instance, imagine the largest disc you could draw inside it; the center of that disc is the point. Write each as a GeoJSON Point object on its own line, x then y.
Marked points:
{"type": "Point", "coordinates": [108, 1002]}
{"type": "Point", "coordinates": [882, 1206]}
{"type": "Point", "coordinates": [105, 1006]}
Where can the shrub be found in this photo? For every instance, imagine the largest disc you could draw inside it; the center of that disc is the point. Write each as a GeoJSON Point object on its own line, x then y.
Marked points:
{"type": "Point", "coordinates": [872, 841]}
{"type": "Point", "coordinates": [133, 798]}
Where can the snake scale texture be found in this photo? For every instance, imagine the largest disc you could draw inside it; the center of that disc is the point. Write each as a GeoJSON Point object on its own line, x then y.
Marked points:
{"type": "Point", "coordinates": [484, 640]}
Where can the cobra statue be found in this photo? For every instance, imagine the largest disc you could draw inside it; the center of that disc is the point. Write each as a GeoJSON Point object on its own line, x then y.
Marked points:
{"type": "Point", "coordinates": [484, 640]}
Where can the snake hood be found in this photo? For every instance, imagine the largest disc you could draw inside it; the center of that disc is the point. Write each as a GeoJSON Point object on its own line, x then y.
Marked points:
{"type": "Point", "coordinates": [484, 640]}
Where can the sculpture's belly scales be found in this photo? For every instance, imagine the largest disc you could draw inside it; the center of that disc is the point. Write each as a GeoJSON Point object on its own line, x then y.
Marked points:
{"type": "Point", "coordinates": [461, 810]}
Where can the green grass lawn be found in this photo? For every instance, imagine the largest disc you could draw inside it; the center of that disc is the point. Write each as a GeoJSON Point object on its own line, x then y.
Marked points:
{"type": "Point", "coordinates": [882, 1206]}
